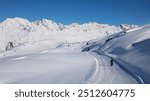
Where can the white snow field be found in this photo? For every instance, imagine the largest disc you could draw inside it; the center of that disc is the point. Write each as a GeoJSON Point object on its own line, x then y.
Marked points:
{"type": "Point", "coordinates": [50, 66]}
{"type": "Point", "coordinates": [44, 52]}
{"type": "Point", "coordinates": [60, 65]}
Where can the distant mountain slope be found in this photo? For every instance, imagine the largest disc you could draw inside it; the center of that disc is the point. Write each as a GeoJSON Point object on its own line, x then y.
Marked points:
{"type": "Point", "coordinates": [18, 31]}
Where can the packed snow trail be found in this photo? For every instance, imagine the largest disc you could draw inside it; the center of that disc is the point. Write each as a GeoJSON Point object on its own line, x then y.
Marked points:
{"type": "Point", "coordinates": [125, 66]}
{"type": "Point", "coordinates": [106, 74]}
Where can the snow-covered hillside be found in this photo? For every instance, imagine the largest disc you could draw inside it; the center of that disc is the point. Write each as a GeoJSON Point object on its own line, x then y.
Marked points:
{"type": "Point", "coordinates": [46, 52]}
{"type": "Point", "coordinates": [17, 31]}
{"type": "Point", "coordinates": [130, 50]}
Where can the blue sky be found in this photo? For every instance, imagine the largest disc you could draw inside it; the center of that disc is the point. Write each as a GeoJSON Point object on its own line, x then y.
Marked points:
{"type": "Point", "coordinates": [68, 11]}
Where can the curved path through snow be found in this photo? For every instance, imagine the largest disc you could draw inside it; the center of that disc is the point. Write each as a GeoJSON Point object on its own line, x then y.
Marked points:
{"type": "Point", "coordinates": [106, 74]}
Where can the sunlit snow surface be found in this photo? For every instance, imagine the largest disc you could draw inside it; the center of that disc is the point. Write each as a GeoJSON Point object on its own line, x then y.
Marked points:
{"type": "Point", "coordinates": [72, 56]}
{"type": "Point", "coordinates": [60, 65]}
{"type": "Point", "coordinates": [51, 66]}
{"type": "Point", "coordinates": [129, 50]}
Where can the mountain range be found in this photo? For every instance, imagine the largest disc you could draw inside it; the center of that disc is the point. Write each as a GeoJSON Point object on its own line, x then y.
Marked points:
{"type": "Point", "coordinates": [19, 31]}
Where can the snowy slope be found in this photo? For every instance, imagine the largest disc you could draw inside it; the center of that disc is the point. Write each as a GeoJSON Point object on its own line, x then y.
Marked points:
{"type": "Point", "coordinates": [60, 65]}
{"type": "Point", "coordinates": [127, 26]}
{"type": "Point", "coordinates": [46, 52]}
{"type": "Point", "coordinates": [107, 74]}
{"type": "Point", "coordinates": [19, 31]}
{"type": "Point", "coordinates": [48, 66]}
{"type": "Point", "coordinates": [130, 50]}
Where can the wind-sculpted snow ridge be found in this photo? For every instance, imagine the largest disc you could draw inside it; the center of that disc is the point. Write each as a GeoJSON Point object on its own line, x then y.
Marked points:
{"type": "Point", "coordinates": [130, 51]}
{"type": "Point", "coordinates": [19, 31]}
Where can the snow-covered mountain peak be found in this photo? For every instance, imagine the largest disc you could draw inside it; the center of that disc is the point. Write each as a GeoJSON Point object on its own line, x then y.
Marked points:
{"type": "Point", "coordinates": [16, 20]}
{"type": "Point", "coordinates": [14, 24]}
{"type": "Point", "coordinates": [91, 23]}
{"type": "Point", "coordinates": [44, 21]}
{"type": "Point", "coordinates": [127, 26]}
{"type": "Point", "coordinates": [48, 24]}
{"type": "Point", "coordinates": [94, 24]}
{"type": "Point", "coordinates": [74, 25]}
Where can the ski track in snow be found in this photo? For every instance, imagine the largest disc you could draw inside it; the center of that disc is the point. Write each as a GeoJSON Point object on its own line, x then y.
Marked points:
{"type": "Point", "coordinates": [106, 74]}
{"type": "Point", "coordinates": [101, 68]}
{"type": "Point", "coordinates": [140, 79]}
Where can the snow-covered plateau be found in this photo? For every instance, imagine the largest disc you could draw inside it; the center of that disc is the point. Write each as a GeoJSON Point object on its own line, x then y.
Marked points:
{"type": "Point", "coordinates": [45, 52]}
